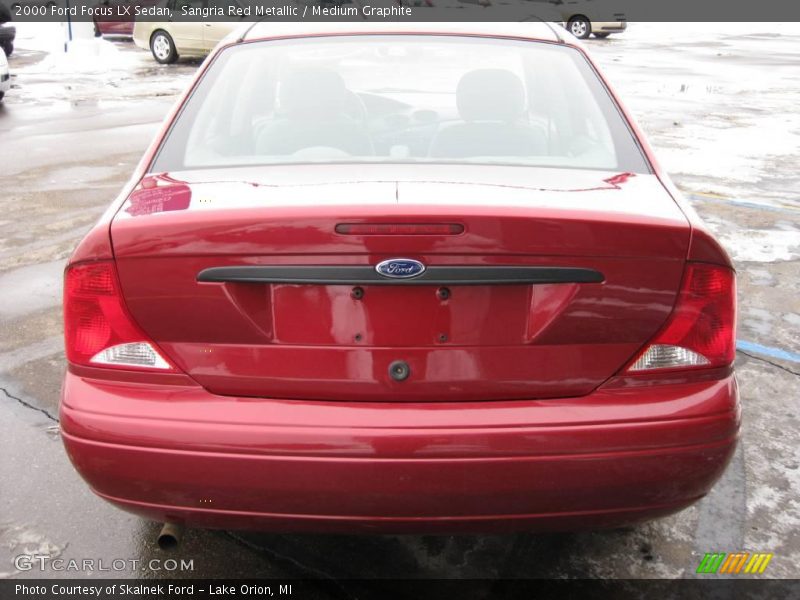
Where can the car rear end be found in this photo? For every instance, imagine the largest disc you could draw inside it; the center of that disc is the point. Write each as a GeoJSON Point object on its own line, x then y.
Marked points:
{"type": "Point", "coordinates": [610, 26]}
{"type": "Point", "coordinates": [143, 30]}
{"type": "Point", "coordinates": [560, 357]}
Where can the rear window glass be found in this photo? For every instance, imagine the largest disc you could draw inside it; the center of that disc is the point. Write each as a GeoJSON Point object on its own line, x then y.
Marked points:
{"type": "Point", "coordinates": [400, 99]}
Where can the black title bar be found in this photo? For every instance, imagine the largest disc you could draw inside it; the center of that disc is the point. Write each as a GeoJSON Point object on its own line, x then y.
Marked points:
{"type": "Point", "coordinates": [410, 10]}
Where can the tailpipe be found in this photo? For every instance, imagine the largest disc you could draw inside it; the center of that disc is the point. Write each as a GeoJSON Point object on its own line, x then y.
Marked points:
{"type": "Point", "coordinates": [170, 536]}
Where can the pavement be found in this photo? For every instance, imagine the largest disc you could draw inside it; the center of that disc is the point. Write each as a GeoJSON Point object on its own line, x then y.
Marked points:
{"type": "Point", "coordinates": [719, 103]}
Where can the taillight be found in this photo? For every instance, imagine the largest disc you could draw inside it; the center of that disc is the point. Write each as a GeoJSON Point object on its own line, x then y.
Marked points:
{"type": "Point", "coordinates": [701, 331]}
{"type": "Point", "coordinates": [98, 330]}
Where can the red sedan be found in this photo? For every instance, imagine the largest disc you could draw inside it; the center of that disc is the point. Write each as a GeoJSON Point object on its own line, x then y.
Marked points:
{"type": "Point", "coordinates": [398, 277]}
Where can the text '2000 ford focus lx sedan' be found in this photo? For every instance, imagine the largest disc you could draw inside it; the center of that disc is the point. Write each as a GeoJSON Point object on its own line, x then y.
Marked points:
{"type": "Point", "coordinates": [379, 278]}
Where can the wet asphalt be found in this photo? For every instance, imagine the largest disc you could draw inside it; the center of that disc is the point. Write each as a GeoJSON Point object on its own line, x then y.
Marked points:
{"type": "Point", "coordinates": [721, 109]}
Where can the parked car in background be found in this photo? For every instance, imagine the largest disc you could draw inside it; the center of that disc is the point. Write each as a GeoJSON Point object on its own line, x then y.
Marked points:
{"type": "Point", "coordinates": [170, 40]}
{"type": "Point", "coordinates": [387, 277]}
{"type": "Point", "coordinates": [583, 18]}
{"type": "Point", "coordinates": [119, 23]}
{"type": "Point", "coordinates": [5, 76]}
{"type": "Point", "coordinates": [8, 34]}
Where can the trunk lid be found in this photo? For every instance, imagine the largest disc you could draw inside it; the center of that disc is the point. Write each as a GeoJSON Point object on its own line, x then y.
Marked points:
{"type": "Point", "coordinates": [325, 340]}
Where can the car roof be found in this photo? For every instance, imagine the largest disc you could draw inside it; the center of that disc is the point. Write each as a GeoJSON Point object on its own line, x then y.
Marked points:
{"type": "Point", "coordinates": [534, 30]}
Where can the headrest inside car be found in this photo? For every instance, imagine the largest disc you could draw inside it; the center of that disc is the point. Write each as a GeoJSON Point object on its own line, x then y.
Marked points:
{"type": "Point", "coordinates": [490, 95]}
{"type": "Point", "coordinates": [312, 93]}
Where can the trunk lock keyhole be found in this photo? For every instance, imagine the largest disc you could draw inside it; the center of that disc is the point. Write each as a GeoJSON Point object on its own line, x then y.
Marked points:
{"type": "Point", "coordinates": [399, 370]}
{"type": "Point", "coordinates": [357, 293]}
{"type": "Point", "coordinates": [443, 293]}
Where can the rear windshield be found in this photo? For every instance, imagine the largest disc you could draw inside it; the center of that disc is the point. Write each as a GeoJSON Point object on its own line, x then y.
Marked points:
{"type": "Point", "coordinates": [400, 99]}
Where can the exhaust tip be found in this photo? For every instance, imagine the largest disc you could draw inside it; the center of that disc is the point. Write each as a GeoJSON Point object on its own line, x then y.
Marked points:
{"type": "Point", "coordinates": [170, 536]}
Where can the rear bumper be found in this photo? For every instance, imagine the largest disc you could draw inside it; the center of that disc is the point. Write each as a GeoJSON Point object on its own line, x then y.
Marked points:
{"type": "Point", "coordinates": [617, 456]}
{"type": "Point", "coordinates": [609, 26]}
{"type": "Point", "coordinates": [141, 36]}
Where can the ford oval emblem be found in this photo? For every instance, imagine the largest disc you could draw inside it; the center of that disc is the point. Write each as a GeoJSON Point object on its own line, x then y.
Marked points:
{"type": "Point", "coordinates": [400, 268]}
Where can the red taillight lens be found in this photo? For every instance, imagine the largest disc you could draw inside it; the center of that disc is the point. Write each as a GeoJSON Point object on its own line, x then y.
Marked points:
{"type": "Point", "coordinates": [701, 331]}
{"type": "Point", "coordinates": [97, 328]}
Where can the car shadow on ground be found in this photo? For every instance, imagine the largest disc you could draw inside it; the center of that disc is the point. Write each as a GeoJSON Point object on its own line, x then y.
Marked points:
{"type": "Point", "coordinates": [344, 557]}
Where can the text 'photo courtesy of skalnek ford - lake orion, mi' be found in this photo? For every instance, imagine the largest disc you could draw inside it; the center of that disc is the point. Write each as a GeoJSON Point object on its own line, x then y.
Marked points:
{"type": "Point", "coordinates": [414, 299]}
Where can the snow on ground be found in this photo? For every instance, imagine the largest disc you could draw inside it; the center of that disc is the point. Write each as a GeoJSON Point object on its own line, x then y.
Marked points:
{"type": "Point", "coordinates": [772, 245]}
{"type": "Point", "coordinates": [89, 69]}
{"type": "Point", "coordinates": [718, 101]}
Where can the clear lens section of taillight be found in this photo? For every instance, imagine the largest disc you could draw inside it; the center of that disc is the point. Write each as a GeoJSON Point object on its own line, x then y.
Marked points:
{"type": "Point", "coordinates": [701, 331]}
{"type": "Point", "coordinates": [137, 354]}
{"type": "Point", "coordinates": [98, 331]}
{"type": "Point", "coordinates": [661, 356]}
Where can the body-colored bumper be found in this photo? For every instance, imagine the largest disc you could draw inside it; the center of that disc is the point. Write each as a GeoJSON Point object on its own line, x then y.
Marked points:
{"type": "Point", "coordinates": [617, 456]}
{"type": "Point", "coordinates": [141, 35]}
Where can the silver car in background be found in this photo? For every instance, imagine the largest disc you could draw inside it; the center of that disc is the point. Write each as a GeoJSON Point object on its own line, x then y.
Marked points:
{"type": "Point", "coordinates": [170, 40]}
{"type": "Point", "coordinates": [583, 18]}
